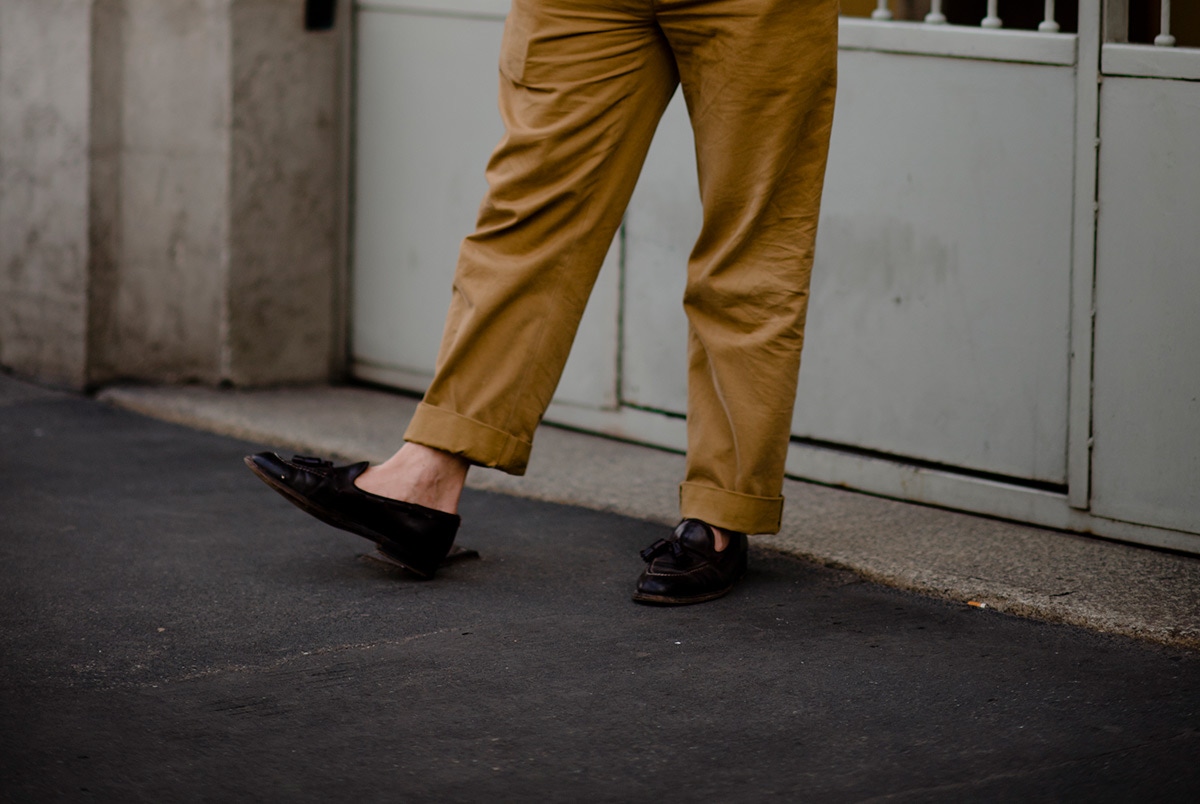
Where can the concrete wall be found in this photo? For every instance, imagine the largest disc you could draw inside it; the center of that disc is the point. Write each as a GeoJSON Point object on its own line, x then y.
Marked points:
{"type": "Point", "coordinates": [45, 48]}
{"type": "Point", "coordinates": [171, 185]}
{"type": "Point", "coordinates": [159, 294]}
{"type": "Point", "coordinates": [283, 314]}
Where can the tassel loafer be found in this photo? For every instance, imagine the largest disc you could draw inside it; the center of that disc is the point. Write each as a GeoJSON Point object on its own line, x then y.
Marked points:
{"type": "Point", "coordinates": [687, 568]}
{"type": "Point", "coordinates": [413, 536]}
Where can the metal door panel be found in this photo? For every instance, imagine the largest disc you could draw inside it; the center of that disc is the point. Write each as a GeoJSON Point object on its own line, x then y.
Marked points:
{"type": "Point", "coordinates": [940, 308]}
{"type": "Point", "coordinates": [662, 221]}
{"type": "Point", "coordinates": [1146, 415]}
{"type": "Point", "coordinates": [939, 323]}
{"type": "Point", "coordinates": [426, 122]}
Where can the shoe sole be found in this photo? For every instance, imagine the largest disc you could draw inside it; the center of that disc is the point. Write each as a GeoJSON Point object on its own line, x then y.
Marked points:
{"type": "Point", "coordinates": [664, 600]}
{"type": "Point", "coordinates": [329, 517]}
{"type": "Point", "coordinates": [667, 600]}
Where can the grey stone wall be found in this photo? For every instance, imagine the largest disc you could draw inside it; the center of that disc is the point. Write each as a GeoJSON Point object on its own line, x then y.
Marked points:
{"type": "Point", "coordinates": [159, 294]}
{"type": "Point", "coordinates": [170, 176]}
{"type": "Point", "coordinates": [285, 180]}
{"type": "Point", "coordinates": [45, 48]}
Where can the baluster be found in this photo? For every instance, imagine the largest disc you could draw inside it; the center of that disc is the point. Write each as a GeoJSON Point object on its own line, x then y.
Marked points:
{"type": "Point", "coordinates": [992, 20]}
{"type": "Point", "coordinates": [935, 15]}
{"type": "Point", "coordinates": [1165, 39]}
{"type": "Point", "coordinates": [1049, 24]}
{"type": "Point", "coordinates": [882, 12]}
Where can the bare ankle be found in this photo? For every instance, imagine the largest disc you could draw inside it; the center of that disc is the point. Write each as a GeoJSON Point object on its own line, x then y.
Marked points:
{"type": "Point", "coordinates": [720, 538]}
{"type": "Point", "coordinates": [420, 475]}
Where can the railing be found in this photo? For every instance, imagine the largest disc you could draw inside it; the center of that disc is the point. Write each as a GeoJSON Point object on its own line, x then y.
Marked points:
{"type": "Point", "coordinates": [992, 19]}
{"type": "Point", "coordinates": [1120, 27]}
{"type": "Point", "coordinates": [1162, 59]}
{"type": "Point", "coordinates": [923, 27]}
{"type": "Point", "coordinates": [1164, 38]}
{"type": "Point", "coordinates": [1049, 24]}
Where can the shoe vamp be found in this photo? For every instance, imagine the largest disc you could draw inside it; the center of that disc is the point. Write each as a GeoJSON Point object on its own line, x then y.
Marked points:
{"type": "Point", "coordinates": [316, 487]}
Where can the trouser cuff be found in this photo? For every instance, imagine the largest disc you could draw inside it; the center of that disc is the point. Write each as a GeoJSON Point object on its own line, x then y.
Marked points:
{"type": "Point", "coordinates": [729, 509]}
{"type": "Point", "coordinates": [479, 443]}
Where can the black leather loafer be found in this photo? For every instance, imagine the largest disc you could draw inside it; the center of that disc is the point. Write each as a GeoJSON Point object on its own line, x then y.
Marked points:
{"type": "Point", "coordinates": [415, 537]}
{"type": "Point", "coordinates": [686, 568]}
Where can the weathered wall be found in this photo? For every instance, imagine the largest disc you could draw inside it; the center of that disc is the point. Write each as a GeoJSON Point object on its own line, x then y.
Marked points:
{"type": "Point", "coordinates": [170, 191]}
{"type": "Point", "coordinates": [157, 310]}
{"type": "Point", "coordinates": [45, 48]}
{"type": "Point", "coordinates": [285, 189]}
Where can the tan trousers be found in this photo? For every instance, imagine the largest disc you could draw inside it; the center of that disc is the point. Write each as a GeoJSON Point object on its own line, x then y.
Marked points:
{"type": "Point", "coordinates": [583, 85]}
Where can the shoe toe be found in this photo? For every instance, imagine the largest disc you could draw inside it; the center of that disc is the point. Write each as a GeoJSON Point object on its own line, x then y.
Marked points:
{"type": "Point", "coordinates": [269, 463]}
{"type": "Point", "coordinates": [654, 585]}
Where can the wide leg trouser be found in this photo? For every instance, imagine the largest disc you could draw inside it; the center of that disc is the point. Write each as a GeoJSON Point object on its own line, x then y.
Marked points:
{"type": "Point", "coordinates": [583, 84]}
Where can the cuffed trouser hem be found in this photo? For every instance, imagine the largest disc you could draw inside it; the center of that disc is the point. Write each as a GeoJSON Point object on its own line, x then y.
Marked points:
{"type": "Point", "coordinates": [729, 509]}
{"type": "Point", "coordinates": [479, 443]}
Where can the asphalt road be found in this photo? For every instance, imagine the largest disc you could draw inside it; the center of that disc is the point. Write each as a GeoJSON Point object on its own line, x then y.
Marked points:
{"type": "Point", "coordinates": [170, 630]}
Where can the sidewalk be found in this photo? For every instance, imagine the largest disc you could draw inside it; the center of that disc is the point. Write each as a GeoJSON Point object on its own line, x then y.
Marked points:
{"type": "Point", "coordinates": [173, 631]}
{"type": "Point", "coordinates": [1029, 571]}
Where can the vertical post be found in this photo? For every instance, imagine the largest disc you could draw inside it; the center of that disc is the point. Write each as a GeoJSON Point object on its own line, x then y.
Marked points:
{"type": "Point", "coordinates": [935, 15]}
{"type": "Point", "coordinates": [882, 12]}
{"type": "Point", "coordinates": [992, 20]}
{"type": "Point", "coordinates": [1083, 253]}
{"type": "Point", "coordinates": [1164, 39]}
{"type": "Point", "coordinates": [1049, 24]}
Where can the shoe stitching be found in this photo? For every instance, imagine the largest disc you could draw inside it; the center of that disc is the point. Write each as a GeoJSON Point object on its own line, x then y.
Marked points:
{"type": "Point", "coordinates": [323, 471]}
{"type": "Point", "coordinates": [651, 571]}
{"type": "Point", "coordinates": [675, 574]}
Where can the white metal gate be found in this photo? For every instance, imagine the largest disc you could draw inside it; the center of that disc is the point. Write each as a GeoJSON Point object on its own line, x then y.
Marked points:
{"type": "Point", "coordinates": [967, 292]}
{"type": "Point", "coordinates": [1146, 465]}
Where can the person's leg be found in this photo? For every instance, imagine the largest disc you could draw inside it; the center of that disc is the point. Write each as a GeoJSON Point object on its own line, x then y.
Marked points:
{"type": "Point", "coordinates": [583, 85]}
{"type": "Point", "coordinates": [759, 78]}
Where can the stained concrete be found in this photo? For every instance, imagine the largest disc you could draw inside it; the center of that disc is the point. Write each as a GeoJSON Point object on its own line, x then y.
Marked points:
{"type": "Point", "coordinates": [171, 184]}
{"type": "Point", "coordinates": [1059, 577]}
{"type": "Point", "coordinates": [44, 148]}
{"type": "Point", "coordinates": [172, 630]}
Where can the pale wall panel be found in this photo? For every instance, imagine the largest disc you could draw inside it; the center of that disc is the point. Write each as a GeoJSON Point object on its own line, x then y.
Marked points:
{"type": "Point", "coordinates": [1146, 464]}
{"type": "Point", "coordinates": [939, 320]}
{"type": "Point", "coordinates": [940, 307]}
{"type": "Point", "coordinates": [426, 125]}
{"type": "Point", "coordinates": [663, 220]}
